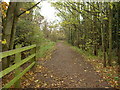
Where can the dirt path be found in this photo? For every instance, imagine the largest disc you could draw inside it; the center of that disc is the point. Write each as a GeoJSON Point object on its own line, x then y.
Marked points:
{"type": "Point", "coordinates": [68, 69]}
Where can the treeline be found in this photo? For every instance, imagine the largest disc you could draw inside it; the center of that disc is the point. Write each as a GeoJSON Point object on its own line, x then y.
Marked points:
{"type": "Point", "coordinates": [52, 32]}
{"type": "Point", "coordinates": [92, 26]}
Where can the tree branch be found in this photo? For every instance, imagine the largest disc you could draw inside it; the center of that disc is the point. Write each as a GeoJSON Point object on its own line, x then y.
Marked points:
{"type": "Point", "coordinates": [29, 9]}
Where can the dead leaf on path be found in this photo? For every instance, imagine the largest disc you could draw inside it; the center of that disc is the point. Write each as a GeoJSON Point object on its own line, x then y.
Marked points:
{"type": "Point", "coordinates": [100, 81]}
{"type": "Point", "coordinates": [45, 84]}
{"type": "Point", "coordinates": [37, 86]}
{"type": "Point", "coordinates": [52, 84]}
{"type": "Point", "coordinates": [36, 81]}
{"type": "Point", "coordinates": [45, 75]}
{"type": "Point", "coordinates": [51, 76]}
{"type": "Point", "coordinates": [112, 85]}
{"type": "Point", "coordinates": [74, 63]}
{"type": "Point", "coordinates": [30, 73]}
{"type": "Point", "coordinates": [40, 67]}
{"type": "Point", "coordinates": [106, 87]}
{"type": "Point", "coordinates": [104, 77]}
{"type": "Point", "coordinates": [98, 71]}
{"type": "Point", "coordinates": [93, 60]}
{"type": "Point", "coordinates": [80, 80]}
{"type": "Point", "coordinates": [72, 80]}
{"type": "Point", "coordinates": [32, 78]}
{"type": "Point", "coordinates": [62, 81]}
{"type": "Point", "coordinates": [26, 84]}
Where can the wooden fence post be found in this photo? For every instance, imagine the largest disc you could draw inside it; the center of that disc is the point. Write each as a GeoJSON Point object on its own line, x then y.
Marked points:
{"type": "Point", "coordinates": [17, 70]}
{"type": "Point", "coordinates": [33, 51]}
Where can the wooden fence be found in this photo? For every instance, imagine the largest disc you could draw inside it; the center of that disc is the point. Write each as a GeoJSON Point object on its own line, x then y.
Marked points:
{"type": "Point", "coordinates": [18, 62]}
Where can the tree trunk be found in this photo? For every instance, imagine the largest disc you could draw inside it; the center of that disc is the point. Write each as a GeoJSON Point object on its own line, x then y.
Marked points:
{"type": "Point", "coordinates": [110, 36]}
{"type": "Point", "coordinates": [13, 31]}
{"type": "Point", "coordinates": [103, 38]}
{"type": "Point", "coordinates": [15, 20]}
{"type": "Point", "coordinates": [7, 31]}
{"type": "Point", "coordinates": [95, 37]}
{"type": "Point", "coordinates": [117, 37]}
{"type": "Point", "coordinates": [103, 44]}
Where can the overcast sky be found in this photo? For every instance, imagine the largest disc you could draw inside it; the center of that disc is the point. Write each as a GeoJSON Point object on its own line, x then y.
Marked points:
{"type": "Point", "coordinates": [48, 11]}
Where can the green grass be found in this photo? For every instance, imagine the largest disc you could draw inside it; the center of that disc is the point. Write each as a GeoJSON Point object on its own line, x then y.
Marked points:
{"type": "Point", "coordinates": [87, 54]}
{"type": "Point", "coordinates": [44, 48]}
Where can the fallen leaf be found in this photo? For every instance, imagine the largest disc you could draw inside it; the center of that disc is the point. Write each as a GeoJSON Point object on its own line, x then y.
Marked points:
{"type": "Point", "coordinates": [36, 80]}
{"type": "Point", "coordinates": [45, 75]}
{"type": "Point", "coordinates": [106, 87]}
{"type": "Point", "coordinates": [45, 84]}
{"type": "Point", "coordinates": [51, 76]}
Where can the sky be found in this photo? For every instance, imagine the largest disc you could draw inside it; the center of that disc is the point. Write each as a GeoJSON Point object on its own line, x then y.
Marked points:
{"type": "Point", "coordinates": [48, 11]}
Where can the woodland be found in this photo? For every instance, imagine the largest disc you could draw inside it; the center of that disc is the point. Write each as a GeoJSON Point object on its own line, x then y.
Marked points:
{"type": "Point", "coordinates": [91, 29]}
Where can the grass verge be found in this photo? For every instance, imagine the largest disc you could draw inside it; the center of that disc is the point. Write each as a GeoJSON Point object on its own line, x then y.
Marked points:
{"type": "Point", "coordinates": [44, 48]}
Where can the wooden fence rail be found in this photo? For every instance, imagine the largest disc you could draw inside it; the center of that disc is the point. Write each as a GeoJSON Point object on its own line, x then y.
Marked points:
{"type": "Point", "coordinates": [18, 62]}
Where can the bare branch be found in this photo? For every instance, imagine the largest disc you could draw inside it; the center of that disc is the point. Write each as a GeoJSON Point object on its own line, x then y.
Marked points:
{"type": "Point", "coordinates": [29, 9]}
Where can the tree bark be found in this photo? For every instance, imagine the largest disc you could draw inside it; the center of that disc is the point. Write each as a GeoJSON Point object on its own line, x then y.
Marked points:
{"type": "Point", "coordinates": [118, 28]}
{"type": "Point", "coordinates": [15, 20]}
{"type": "Point", "coordinates": [110, 36]}
{"type": "Point", "coordinates": [8, 25]}
{"type": "Point", "coordinates": [8, 22]}
{"type": "Point", "coordinates": [103, 44]}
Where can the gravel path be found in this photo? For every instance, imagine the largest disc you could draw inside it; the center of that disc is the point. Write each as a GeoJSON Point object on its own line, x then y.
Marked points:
{"type": "Point", "coordinates": [67, 69]}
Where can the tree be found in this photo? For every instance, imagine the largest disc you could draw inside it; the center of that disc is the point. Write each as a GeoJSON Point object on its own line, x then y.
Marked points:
{"type": "Point", "coordinates": [91, 26]}
{"type": "Point", "coordinates": [9, 27]}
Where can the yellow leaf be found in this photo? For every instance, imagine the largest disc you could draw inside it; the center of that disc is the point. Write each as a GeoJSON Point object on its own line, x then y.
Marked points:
{"type": "Point", "coordinates": [111, 5]}
{"type": "Point", "coordinates": [4, 42]}
{"type": "Point", "coordinates": [27, 12]}
{"type": "Point", "coordinates": [105, 18]}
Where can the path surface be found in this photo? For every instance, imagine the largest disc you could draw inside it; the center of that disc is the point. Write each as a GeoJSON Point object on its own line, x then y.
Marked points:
{"type": "Point", "coordinates": [67, 69]}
